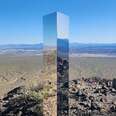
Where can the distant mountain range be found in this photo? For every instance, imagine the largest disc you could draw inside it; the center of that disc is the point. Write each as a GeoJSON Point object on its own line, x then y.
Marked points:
{"type": "Point", "coordinates": [22, 46]}
{"type": "Point", "coordinates": [21, 49]}
{"type": "Point", "coordinates": [74, 48]}
{"type": "Point", "coordinates": [93, 48]}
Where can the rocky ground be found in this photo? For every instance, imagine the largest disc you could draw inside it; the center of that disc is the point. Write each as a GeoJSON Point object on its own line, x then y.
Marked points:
{"type": "Point", "coordinates": [92, 96]}
{"type": "Point", "coordinates": [19, 103]}
{"type": "Point", "coordinates": [37, 101]}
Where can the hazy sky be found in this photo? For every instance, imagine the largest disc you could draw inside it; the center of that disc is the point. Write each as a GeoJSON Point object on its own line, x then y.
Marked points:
{"type": "Point", "coordinates": [90, 20]}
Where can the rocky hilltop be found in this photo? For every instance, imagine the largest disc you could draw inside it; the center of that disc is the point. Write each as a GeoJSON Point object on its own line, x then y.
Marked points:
{"type": "Point", "coordinates": [87, 97]}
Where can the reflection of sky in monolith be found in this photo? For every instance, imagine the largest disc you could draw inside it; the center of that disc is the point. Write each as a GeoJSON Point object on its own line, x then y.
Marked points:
{"type": "Point", "coordinates": [55, 25]}
{"type": "Point", "coordinates": [50, 30]}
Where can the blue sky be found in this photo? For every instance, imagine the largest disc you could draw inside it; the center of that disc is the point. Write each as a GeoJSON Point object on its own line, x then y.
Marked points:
{"type": "Point", "coordinates": [91, 21]}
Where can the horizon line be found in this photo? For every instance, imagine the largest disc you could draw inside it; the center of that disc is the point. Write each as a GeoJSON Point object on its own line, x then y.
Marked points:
{"type": "Point", "coordinates": [70, 43]}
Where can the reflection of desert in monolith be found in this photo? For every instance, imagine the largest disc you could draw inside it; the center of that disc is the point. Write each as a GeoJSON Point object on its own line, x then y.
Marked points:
{"type": "Point", "coordinates": [62, 76]}
{"type": "Point", "coordinates": [50, 74]}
